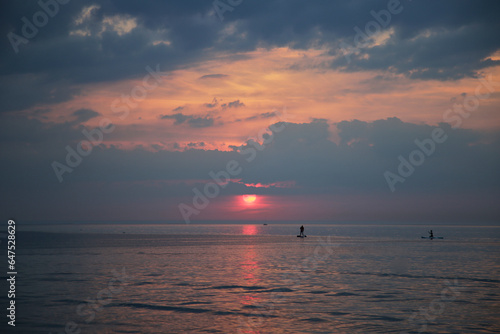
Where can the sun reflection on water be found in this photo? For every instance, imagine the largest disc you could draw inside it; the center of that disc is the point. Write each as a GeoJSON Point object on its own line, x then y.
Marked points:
{"type": "Point", "coordinates": [249, 230]}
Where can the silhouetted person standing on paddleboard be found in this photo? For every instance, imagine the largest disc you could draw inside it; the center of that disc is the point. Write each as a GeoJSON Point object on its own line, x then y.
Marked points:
{"type": "Point", "coordinates": [431, 234]}
{"type": "Point", "coordinates": [302, 230]}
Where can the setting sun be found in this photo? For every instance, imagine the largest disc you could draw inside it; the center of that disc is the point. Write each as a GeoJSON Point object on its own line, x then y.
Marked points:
{"type": "Point", "coordinates": [249, 198]}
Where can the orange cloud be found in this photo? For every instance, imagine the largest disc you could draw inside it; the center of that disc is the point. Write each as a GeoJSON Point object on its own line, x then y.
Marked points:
{"type": "Point", "coordinates": [263, 81]}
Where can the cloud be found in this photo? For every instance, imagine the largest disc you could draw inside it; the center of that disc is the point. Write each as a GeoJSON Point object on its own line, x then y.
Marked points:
{"type": "Point", "coordinates": [233, 104]}
{"type": "Point", "coordinates": [213, 76]}
{"type": "Point", "coordinates": [18, 131]}
{"type": "Point", "coordinates": [201, 122]}
{"type": "Point", "coordinates": [87, 43]}
{"type": "Point", "coordinates": [268, 114]}
{"type": "Point", "coordinates": [304, 153]}
{"type": "Point", "coordinates": [299, 160]}
{"type": "Point", "coordinates": [259, 116]}
{"type": "Point", "coordinates": [179, 118]}
{"type": "Point", "coordinates": [41, 111]}
{"type": "Point", "coordinates": [281, 184]}
{"type": "Point", "coordinates": [22, 91]}
{"type": "Point", "coordinates": [193, 121]}
{"type": "Point", "coordinates": [69, 52]}
{"type": "Point", "coordinates": [199, 144]}
{"type": "Point", "coordinates": [213, 104]}
{"type": "Point", "coordinates": [446, 54]}
{"type": "Point", "coordinates": [83, 115]}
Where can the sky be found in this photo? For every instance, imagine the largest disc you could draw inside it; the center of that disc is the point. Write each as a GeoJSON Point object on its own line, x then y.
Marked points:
{"type": "Point", "coordinates": [225, 110]}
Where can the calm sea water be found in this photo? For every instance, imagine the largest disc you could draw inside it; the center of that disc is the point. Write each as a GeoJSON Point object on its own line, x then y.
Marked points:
{"type": "Point", "coordinates": [256, 279]}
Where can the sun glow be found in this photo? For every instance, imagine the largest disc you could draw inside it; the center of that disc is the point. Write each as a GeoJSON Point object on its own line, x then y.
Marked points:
{"type": "Point", "coordinates": [249, 198]}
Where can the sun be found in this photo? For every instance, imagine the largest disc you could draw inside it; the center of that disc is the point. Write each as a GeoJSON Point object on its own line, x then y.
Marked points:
{"type": "Point", "coordinates": [249, 198]}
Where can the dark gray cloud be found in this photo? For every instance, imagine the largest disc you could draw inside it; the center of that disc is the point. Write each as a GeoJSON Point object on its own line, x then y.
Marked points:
{"type": "Point", "coordinates": [55, 59]}
{"type": "Point", "coordinates": [268, 114]}
{"type": "Point", "coordinates": [303, 152]}
{"type": "Point", "coordinates": [17, 131]}
{"type": "Point", "coordinates": [18, 92]}
{"type": "Point", "coordinates": [445, 54]}
{"type": "Point", "coordinates": [211, 105]}
{"type": "Point", "coordinates": [199, 144]}
{"type": "Point", "coordinates": [233, 104]}
{"type": "Point", "coordinates": [193, 121]}
{"type": "Point", "coordinates": [201, 122]}
{"type": "Point", "coordinates": [264, 115]}
{"type": "Point", "coordinates": [179, 118]}
{"type": "Point", "coordinates": [213, 76]}
{"type": "Point", "coordinates": [466, 164]}
{"type": "Point", "coordinates": [83, 115]}
{"type": "Point", "coordinates": [443, 40]}
{"type": "Point", "coordinates": [41, 111]}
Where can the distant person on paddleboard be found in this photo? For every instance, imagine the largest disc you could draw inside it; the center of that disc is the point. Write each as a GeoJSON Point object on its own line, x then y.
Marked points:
{"type": "Point", "coordinates": [431, 235]}
{"type": "Point", "coordinates": [302, 230]}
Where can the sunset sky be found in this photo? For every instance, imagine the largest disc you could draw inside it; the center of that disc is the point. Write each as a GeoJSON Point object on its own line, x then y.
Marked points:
{"type": "Point", "coordinates": [138, 110]}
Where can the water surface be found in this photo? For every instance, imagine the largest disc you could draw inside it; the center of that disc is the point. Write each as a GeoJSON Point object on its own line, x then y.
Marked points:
{"type": "Point", "coordinates": [257, 279]}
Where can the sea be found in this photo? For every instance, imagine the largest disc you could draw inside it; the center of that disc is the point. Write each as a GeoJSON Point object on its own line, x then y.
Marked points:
{"type": "Point", "coordinates": [253, 278]}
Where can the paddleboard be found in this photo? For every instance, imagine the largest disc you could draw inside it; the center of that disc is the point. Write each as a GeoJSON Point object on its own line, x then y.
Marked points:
{"type": "Point", "coordinates": [301, 236]}
{"type": "Point", "coordinates": [432, 238]}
